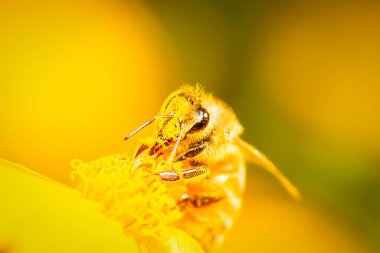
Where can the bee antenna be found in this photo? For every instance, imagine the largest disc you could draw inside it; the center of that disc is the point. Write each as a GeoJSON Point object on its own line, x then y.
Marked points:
{"type": "Point", "coordinates": [176, 143]}
{"type": "Point", "coordinates": [147, 124]}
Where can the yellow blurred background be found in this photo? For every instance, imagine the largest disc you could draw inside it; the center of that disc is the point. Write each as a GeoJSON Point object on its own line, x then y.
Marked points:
{"type": "Point", "coordinates": [302, 76]}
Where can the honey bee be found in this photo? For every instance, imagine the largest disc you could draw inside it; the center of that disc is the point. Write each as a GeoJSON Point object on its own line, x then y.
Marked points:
{"type": "Point", "coordinates": [202, 134]}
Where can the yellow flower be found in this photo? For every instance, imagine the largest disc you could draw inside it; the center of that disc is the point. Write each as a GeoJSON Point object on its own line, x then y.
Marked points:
{"type": "Point", "coordinates": [131, 212]}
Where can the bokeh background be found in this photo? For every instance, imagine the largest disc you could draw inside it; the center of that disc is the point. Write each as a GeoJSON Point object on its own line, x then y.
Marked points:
{"type": "Point", "coordinates": [302, 76]}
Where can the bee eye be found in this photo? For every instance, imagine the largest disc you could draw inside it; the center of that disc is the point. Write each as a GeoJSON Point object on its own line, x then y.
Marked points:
{"type": "Point", "coordinates": [203, 117]}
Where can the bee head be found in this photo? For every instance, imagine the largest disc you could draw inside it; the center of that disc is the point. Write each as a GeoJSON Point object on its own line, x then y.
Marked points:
{"type": "Point", "coordinates": [191, 116]}
{"type": "Point", "coordinates": [189, 109]}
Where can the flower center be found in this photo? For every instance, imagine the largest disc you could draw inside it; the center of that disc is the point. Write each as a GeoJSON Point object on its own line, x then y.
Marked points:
{"type": "Point", "coordinates": [132, 195]}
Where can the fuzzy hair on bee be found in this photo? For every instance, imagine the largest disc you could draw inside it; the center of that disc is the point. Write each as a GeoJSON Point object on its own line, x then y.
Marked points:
{"type": "Point", "coordinates": [197, 137]}
{"type": "Point", "coordinates": [204, 118]}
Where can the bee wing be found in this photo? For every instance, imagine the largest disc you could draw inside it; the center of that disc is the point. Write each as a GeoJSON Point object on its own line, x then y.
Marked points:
{"type": "Point", "coordinates": [260, 159]}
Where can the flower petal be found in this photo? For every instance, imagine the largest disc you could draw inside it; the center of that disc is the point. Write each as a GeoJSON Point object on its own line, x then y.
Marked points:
{"type": "Point", "coordinates": [40, 215]}
{"type": "Point", "coordinates": [177, 241]}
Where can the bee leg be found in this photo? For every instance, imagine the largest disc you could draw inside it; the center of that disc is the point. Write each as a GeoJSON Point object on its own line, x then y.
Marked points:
{"type": "Point", "coordinates": [192, 175]}
{"type": "Point", "coordinates": [168, 175]}
{"type": "Point", "coordinates": [195, 174]}
{"type": "Point", "coordinates": [202, 194]}
{"type": "Point", "coordinates": [198, 201]}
